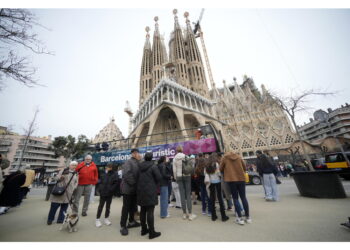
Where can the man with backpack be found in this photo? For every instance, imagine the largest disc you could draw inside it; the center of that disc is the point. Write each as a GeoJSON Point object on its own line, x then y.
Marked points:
{"type": "Point", "coordinates": [183, 168]}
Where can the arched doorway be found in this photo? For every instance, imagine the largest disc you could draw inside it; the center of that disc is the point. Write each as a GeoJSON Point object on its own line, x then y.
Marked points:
{"type": "Point", "coordinates": [167, 121]}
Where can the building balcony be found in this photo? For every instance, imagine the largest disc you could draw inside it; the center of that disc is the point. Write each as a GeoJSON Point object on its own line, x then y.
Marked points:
{"type": "Point", "coordinates": [34, 145]}
{"type": "Point", "coordinates": [37, 158]}
{"type": "Point", "coordinates": [46, 152]}
{"type": "Point", "coordinates": [5, 143]}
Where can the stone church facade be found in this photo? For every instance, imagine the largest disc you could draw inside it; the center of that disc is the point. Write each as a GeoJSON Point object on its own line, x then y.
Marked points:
{"type": "Point", "coordinates": [174, 96]}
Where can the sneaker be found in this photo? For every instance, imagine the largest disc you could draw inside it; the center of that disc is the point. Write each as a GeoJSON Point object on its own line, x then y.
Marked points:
{"type": "Point", "coordinates": [49, 222]}
{"type": "Point", "coordinates": [184, 216]}
{"type": "Point", "coordinates": [171, 205]}
{"type": "Point", "coordinates": [248, 220]}
{"type": "Point", "coordinates": [209, 214]}
{"type": "Point", "coordinates": [192, 217]}
{"type": "Point", "coordinates": [240, 221]}
{"type": "Point", "coordinates": [168, 216]}
{"type": "Point", "coordinates": [204, 213]}
{"type": "Point", "coordinates": [107, 222]}
{"type": "Point", "coordinates": [133, 224]}
{"type": "Point", "coordinates": [154, 235]}
{"type": "Point", "coordinates": [124, 231]}
{"type": "Point", "coordinates": [98, 223]}
{"type": "Point", "coordinates": [83, 214]}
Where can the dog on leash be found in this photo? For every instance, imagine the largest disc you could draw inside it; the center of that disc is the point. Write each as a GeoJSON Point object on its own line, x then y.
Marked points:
{"type": "Point", "coordinates": [70, 222]}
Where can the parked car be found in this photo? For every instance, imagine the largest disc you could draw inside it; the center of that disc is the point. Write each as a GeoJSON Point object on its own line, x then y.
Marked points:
{"type": "Point", "coordinates": [319, 164]}
{"type": "Point", "coordinates": [337, 161]}
{"type": "Point", "coordinates": [254, 178]}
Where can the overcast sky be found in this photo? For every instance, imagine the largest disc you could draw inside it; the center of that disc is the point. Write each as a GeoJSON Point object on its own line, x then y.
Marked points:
{"type": "Point", "coordinates": [98, 52]}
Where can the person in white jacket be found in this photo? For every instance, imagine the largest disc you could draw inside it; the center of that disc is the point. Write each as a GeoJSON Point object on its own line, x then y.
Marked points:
{"type": "Point", "coordinates": [184, 182]}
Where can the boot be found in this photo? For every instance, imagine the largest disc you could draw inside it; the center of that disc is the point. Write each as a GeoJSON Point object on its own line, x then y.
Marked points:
{"type": "Point", "coordinates": [153, 235]}
{"type": "Point", "coordinates": [144, 230]}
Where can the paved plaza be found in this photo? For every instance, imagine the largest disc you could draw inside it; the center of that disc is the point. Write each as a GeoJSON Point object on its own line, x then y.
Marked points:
{"type": "Point", "coordinates": [294, 218]}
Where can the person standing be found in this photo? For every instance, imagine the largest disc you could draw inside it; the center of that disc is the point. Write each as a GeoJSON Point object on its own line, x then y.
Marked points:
{"type": "Point", "coordinates": [4, 163]}
{"type": "Point", "coordinates": [67, 178]}
{"type": "Point", "coordinates": [184, 182]}
{"type": "Point", "coordinates": [212, 174]}
{"type": "Point", "coordinates": [107, 187]}
{"type": "Point", "coordinates": [164, 183]}
{"type": "Point", "coordinates": [10, 195]}
{"type": "Point", "coordinates": [224, 187]}
{"type": "Point", "coordinates": [268, 171]}
{"type": "Point", "coordinates": [87, 177]}
{"type": "Point", "coordinates": [233, 167]}
{"type": "Point", "coordinates": [147, 197]}
{"type": "Point", "coordinates": [199, 170]}
{"type": "Point", "coordinates": [130, 175]}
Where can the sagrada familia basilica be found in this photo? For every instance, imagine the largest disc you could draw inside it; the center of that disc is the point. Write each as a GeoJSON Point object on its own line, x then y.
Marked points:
{"type": "Point", "coordinates": [174, 96]}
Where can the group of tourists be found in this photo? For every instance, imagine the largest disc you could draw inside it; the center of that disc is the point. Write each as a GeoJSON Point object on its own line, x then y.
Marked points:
{"type": "Point", "coordinates": [215, 177]}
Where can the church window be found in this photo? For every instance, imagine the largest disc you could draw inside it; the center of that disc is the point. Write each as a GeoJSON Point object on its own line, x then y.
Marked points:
{"type": "Point", "coordinates": [245, 145]}
{"type": "Point", "coordinates": [289, 139]}
{"type": "Point", "coordinates": [274, 141]}
{"type": "Point", "coordinates": [260, 143]}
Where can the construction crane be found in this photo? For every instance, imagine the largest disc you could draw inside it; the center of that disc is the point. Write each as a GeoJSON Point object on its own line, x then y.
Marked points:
{"type": "Point", "coordinates": [197, 27]}
{"type": "Point", "coordinates": [130, 114]}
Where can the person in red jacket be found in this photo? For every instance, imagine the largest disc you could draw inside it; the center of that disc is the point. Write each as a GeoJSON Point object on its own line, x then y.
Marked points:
{"type": "Point", "coordinates": [88, 176]}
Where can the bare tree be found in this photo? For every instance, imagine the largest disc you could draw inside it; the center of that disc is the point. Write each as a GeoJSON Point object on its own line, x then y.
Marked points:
{"type": "Point", "coordinates": [16, 32]}
{"type": "Point", "coordinates": [28, 132]}
{"type": "Point", "coordinates": [294, 104]}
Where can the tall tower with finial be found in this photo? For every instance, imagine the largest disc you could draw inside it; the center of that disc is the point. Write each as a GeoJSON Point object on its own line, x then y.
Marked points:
{"type": "Point", "coordinates": [146, 70]}
{"type": "Point", "coordinates": [198, 82]}
{"type": "Point", "coordinates": [158, 56]}
{"type": "Point", "coordinates": [179, 56]}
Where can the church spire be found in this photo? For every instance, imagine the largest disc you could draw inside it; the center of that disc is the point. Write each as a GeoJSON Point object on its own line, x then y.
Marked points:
{"type": "Point", "coordinates": [196, 71]}
{"type": "Point", "coordinates": [158, 57]}
{"type": "Point", "coordinates": [146, 68]}
{"type": "Point", "coordinates": [179, 54]}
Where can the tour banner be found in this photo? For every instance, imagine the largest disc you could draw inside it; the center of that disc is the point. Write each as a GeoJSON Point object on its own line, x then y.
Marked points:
{"type": "Point", "coordinates": [189, 148]}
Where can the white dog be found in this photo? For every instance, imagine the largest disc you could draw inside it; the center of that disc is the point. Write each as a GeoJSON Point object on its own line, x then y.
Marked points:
{"type": "Point", "coordinates": [71, 222]}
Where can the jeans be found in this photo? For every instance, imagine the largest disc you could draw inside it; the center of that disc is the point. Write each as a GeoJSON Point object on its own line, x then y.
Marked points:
{"type": "Point", "coordinates": [238, 188]}
{"type": "Point", "coordinates": [103, 200]}
{"type": "Point", "coordinates": [169, 190]}
{"type": "Point", "coordinates": [204, 197]}
{"type": "Point", "coordinates": [176, 191]}
{"type": "Point", "coordinates": [128, 209]}
{"type": "Point", "coordinates": [270, 187]}
{"type": "Point", "coordinates": [164, 201]}
{"type": "Point", "coordinates": [147, 214]}
{"type": "Point", "coordinates": [81, 190]}
{"type": "Point", "coordinates": [53, 210]}
{"type": "Point", "coordinates": [215, 191]}
{"type": "Point", "coordinates": [185, 193]}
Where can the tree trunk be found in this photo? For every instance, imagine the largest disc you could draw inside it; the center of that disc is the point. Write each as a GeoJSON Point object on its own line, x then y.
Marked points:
{"type": "Point", "coordinates": [306, 156]}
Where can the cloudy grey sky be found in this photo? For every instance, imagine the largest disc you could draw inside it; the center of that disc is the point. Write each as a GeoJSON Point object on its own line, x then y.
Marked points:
{"type": "Point", "coordinates": [98, 53]}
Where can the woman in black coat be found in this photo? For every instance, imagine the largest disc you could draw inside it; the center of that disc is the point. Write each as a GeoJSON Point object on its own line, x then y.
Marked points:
{"type": "Point", "coordinates": [147, 197]}
{"type": "Point", "coordinates": [10, 194]}
{"type": "Point", "coordinates": [107, 187]}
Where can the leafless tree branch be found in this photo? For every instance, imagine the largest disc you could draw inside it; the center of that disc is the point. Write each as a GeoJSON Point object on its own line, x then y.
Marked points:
{"type": "Point", "coordinates": [16, 30]}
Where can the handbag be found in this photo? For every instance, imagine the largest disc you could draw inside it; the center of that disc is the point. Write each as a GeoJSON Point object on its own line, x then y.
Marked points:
{"type": "Point", "coordinates": [60, 190]}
